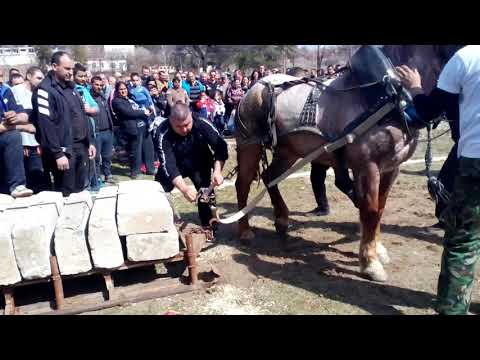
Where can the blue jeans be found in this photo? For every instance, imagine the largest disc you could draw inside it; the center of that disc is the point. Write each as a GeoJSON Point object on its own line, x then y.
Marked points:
{"type": "Point", "coordinates": [219, 123]}
{"type": "Point", "coordinates": [12, 172]}
{"type": "Point", "coordinates": [104, 144]}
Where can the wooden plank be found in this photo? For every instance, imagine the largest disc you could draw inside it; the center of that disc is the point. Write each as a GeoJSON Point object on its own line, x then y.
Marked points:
{"type": "Point", "coordinates": [123, 295]}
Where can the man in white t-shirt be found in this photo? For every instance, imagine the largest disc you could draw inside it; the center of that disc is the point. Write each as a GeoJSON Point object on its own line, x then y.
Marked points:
{"type": "Point", "coordinates": [31, 148]}
{"type": "Point", "coordinates": [460, 77]}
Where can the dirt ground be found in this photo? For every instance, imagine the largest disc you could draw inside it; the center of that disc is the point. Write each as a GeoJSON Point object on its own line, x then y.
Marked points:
{"type": "Point", "coordinates": [318, 272]}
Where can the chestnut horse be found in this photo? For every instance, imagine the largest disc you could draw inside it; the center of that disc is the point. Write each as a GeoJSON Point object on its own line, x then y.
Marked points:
{"type": "Point", "coordinates": [374, 157]}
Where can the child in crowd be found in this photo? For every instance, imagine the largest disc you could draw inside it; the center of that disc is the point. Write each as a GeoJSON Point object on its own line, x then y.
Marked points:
{"type": "Point", "coordinates": [205, 106]}
{"type": "Point", "coordinates": [219, 112]}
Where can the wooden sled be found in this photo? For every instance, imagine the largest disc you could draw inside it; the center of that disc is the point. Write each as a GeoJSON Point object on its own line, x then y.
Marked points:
{"type": "Point", "coordinates": [111, 295]}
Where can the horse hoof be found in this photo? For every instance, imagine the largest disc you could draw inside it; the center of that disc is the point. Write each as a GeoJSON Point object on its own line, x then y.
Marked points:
{"type": "Point", "coordinates": [374, 271]}
{"type": "Point", "coordinates": [382, 254]}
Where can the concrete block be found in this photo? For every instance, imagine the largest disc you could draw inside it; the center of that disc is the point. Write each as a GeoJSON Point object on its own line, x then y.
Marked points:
{"type": "Point", "coordinates": [139, 186]}
{"type": "Point", "coordinates": [156, 246]}
{"type": "Point", "coordinates": [70, 235]}
{"type": "Point", "coordinates": [9, 273]}
{"type": "Point", "coordinates": [33, 222]}
{"type": "Point", "coordinates": [5, 201]}
{"type": "Point", "coordinates": [103, 239]}
{"type": "Point", "coordinates": [107, 191]}
{"type": "Point", "coordinates": [141, 213]}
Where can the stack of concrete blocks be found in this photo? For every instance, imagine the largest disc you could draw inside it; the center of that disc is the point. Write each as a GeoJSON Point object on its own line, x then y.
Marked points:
{"type": "Point", "coordinates": [145, 217]}
{"type": "Point", "coordinates": [33, 222]}
{"type": "Point", "coordinates": [9, 273]}
{"type": "Point", "coordinates": [70, 235]}
{"type": "Point", "coordinates": [103, 239]}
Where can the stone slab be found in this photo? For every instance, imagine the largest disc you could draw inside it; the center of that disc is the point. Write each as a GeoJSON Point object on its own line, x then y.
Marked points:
{"type": "Point", "coordinates": [107, 191]}
{"type": "Point", "coordinates": [33, 222]}
{"type": "Point", "coordinates": [70, 235]}
{"type": "Point", "coordinates": [32, 236]}
{"type": "Point", "coordinates": [103, 239]}
{"type": "Point", "coordinates": [156, 246]}
{"type": "Point", "coordinates": [9, 273]}
{"type": "Point", "coordinates": [5, 201]}
{"type": "Point", "coordinates": [139, 186]}
{"type": "Point", "coordinates": [142, 213]}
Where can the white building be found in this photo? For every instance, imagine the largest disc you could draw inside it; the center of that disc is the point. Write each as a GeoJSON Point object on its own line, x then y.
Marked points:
{"type": "Point", "coordinates": [119, 49]}
{"type": "Point", "coordinates": [95, 65]}
{"type": "Point", "coordinates": [15, 56]}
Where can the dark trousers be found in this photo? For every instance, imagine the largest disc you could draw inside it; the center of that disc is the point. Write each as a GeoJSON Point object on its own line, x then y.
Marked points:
{"type": "Point", "coordinates": [343, 182]}
{"type": "Point", "coordinates": [12, 174]}
{"type": "Point", "coordinates": [36, 178]}
{"type": "Point", "coordinates": [135, 149]}
{"type": "Point", "coordinates": [447, 177]}
{"type": "Point", "coordinates": [74, 179]}
{"type": "Point", "coordinates": [104, 144]}
{"type": "Point", "coordinates": [201, 179]}
{"type": "Point", "coordinates": [148, 151]}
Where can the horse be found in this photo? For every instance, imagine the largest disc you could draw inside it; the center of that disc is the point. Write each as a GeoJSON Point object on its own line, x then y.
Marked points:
{"type": "Point", "coordinates": [374, 157]}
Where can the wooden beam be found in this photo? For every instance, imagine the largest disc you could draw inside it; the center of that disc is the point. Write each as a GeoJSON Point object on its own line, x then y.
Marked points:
{"type": "Point", "coordinates": [9, 301]}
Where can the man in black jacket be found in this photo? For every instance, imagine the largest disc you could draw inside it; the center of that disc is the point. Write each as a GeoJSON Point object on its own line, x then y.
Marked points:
{"type": "Point", "coordinates": [184, 145]}
{"type": "Point", "coordinates": [103, 130]}
{"type": "Point", "coordinates": [63, 127]}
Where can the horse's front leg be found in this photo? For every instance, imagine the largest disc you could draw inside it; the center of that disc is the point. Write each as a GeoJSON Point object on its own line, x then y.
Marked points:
{"type": "Point", "coordinates": [281, 162]}
{"type": "Point", "coordinates": [368, 184]}
{"type": "Point", "coordinates": [386, 182]}
{"type": "Point", "coordinates": [248, 158]}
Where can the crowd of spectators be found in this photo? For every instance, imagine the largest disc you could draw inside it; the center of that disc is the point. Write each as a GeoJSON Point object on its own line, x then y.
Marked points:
{"type": "Point", "coordinates": [123, 111]}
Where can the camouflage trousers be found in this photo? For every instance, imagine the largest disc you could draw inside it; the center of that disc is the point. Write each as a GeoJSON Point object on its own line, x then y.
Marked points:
{"type": "Point", "coordinates": [462, 241]}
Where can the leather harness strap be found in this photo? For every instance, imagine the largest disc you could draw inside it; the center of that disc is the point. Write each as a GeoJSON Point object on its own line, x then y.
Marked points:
{"type": "Point", "coordinates": [328, 148]}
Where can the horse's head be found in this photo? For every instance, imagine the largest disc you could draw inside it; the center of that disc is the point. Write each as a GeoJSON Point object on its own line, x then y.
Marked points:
{"type": "Point", "coordinates": [429, 60]}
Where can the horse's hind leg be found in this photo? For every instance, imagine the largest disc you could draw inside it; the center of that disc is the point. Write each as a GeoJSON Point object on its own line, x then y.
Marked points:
{"type": "Point", "coordinates": [386, 182]}
{"type": "Point", "coordinates": [281, 162]}
{"type": "Point", "coordinates": [248, 158]}
{"type": "Point", "coordinates": [368, 185]}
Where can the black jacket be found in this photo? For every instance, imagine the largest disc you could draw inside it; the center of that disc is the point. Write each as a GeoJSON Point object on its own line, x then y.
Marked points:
{"type": "Point", "coordinates": [183, 156]}
{"type": "Point", "coordinates": [52, 117]}
{"type": "Point", "coordinates": [128, 114]}
{"type": "Point", "coordinates": [437, 102]}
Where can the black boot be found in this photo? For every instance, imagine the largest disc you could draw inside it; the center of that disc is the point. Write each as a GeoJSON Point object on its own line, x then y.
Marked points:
{"type": "Point", "coordinates": [319, 211]}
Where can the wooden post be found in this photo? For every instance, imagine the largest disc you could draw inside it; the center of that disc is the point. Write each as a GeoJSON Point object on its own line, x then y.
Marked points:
{"type": "Point", "coordinates": [109, 285]}
{"type": "Point", "coordinates": [191, 259]}
{"type": "Point", "coordinates": [9, 301]}
{"type": "Point", "coordinates": [57, 283]}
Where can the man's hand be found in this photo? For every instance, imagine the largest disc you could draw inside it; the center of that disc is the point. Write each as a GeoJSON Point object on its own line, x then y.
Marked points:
{"type": "Point", "coordinates": [217, 178]}
{"type": "Point", "coordinates": [410, 78]}
{"type": "Point", "coordinates": [62, 163]}
{"type": "Point", "coordinates": [28, 128]}
{"type": "Point", "coordinates": [10, 117]}
{"type": "Point", "coordinates": [90, 110]}
{"type": "Point", "coordinates": [190, 194]}
{"type": "Point", "coordinates": [92, 152]}
{"type": "Point", "coordinates": [147, 112]}
{"type": "Point", "coordinates": [4, 127]}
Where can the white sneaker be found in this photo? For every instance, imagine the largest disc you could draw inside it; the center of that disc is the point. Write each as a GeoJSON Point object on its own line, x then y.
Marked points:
{"type": "Point", "coordinates": [21, 191]}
